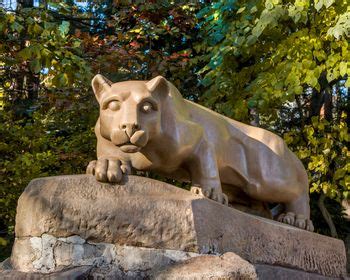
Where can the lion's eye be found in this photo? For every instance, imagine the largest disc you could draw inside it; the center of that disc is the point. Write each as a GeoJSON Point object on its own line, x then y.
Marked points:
{"type": "Point", "coordinates": [147, 107]}
{"type": "Point", "coordinates": [114, 105]}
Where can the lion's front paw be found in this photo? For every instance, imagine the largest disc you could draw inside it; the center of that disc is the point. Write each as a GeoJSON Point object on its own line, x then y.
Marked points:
{"type": "Point", "coordinates": [296, 220]}
{"type": "Point", "coordinates": [108, 170]}
{"type": "Point", "coordinates": [211, 193]}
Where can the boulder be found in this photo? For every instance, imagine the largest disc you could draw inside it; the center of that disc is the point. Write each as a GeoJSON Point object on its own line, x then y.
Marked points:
{"type": "Point", "coordinates": [227, 266]}
{"type": "Point", "coordinates": [142, 212]}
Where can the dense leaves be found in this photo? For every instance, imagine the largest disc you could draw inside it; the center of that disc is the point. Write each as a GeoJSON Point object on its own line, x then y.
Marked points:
{"type": "Point", "coordinates": [48, 55]}
{"type": "Point", "coordinates": [284, 65]}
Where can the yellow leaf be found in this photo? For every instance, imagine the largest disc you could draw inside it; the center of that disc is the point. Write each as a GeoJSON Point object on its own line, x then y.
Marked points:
{"type": "Point", "coordinates": [240, 10]}
{"type": "Point", "coordinates": [343, 68]}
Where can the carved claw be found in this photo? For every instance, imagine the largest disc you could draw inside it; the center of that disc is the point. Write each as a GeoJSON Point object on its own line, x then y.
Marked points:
{"type": "Point", "coordinates": [303, 223]}
{"type": "Point", "coordinates": [300, 221]}
{"type": "Point", "coordinates": [289, 218]}
{"type": "Point", "coordinates": [90, 169]}
{"type": "Point", "coordinates": [309, 225]}
{"type": "Point", "coordinates": [107, 170]}
{"type": "Point", "coordinates": [126, 168]}
{"type": "Point", "coordinates": [296, 220]}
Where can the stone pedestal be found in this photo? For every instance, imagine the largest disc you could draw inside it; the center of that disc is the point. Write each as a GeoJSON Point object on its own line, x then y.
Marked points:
{"type": "Point", "coordinates": [68, 221]}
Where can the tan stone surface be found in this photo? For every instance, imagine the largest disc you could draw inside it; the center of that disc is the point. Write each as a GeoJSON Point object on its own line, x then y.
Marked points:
{"type": "Point", "coordinates": [148, 213]}
{"type": "Point", "coordinates": [225, 267]}
{"type": "Point", "coordinates": [149, 126]}
{"type": "Point", "coordinates": [268, 272]}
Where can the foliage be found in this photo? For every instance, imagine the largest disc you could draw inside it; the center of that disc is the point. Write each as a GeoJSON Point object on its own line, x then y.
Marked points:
{"type": "Point", "coordinates": [324, 150]}
{"type": "Point", "coordinates": [48, 55]}
{"type": "Point", "coordinates": [34, 42]}
{"type": "Point", "coordinates": [267, 52]}
{"type": "Point", "coordinates": [39, 147]}
{"type": "Point", "coordinates": [150, 39]}
{"type": "Point", "coordinates": [282, 65]}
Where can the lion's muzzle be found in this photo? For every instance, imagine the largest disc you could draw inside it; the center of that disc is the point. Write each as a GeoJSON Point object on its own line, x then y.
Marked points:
{"type": "Point", "coordinates": [129, 145]}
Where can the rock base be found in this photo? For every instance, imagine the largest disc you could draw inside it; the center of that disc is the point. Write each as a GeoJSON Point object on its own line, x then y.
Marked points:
{"type": "Point", "coordinates": [74, 258]}
{"type": "Point", "coordinates": [143, 229]}
{"type": "Point", "coordinates": [48, 254]}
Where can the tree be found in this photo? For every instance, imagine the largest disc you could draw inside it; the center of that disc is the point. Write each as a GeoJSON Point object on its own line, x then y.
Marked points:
{"type": "Point", "coordinates": [284, 65]}
{"type": "Point", "coordinates": [48, 55]}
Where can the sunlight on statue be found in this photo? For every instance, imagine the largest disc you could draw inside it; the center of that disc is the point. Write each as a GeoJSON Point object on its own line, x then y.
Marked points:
{"type": "Point", "coordinates": [148, 126]}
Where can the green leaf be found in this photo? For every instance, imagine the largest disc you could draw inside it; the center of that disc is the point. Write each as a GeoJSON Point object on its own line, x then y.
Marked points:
{"type": "Point", "coordinates": [330, 76]}
{"type": "Point", "coordinates": [318, 4]}
{"type": "Point", "coordinates": [347, 83]}
{"type": "Point", "coordinates": [240, 10]}
{"type": "Point", "coordinates": [35, 66]}
{"type": "Point", "coordinates": [320, 55]}
{"type": "Point", "coordinates": [3, 242]}
{"type": "Point", "coordinates": [309, 131]}
{"type": "Point", "coordinates": [254, 9]}
{"type": "Point", "coordinates": [251, 40]}
{"type": "Point", "coordinates": [343, 68]}
{"type": "Point", "coordinates": [25, 54]}
{"type": "Point", "coordinates": [62, 79]}
{"type": "Point", "coordinates": [328, 3]}
{"type": "Point", "coordinates": [310, 79]}
{"type": "Point", "coordinates": [17, 27]}
{"type": "Point", "coordinates": [64, 28]}
{"type": "Point", "coordinates": [304, 154]}
{"type": "Point", "coordinates": [252, 103]}
{"type": "Point", "coordinates": [340, 173]}
{"type": "Point", "coordinates": [298, 90]}
{"type": "Point", "coordinates": [37, 29]}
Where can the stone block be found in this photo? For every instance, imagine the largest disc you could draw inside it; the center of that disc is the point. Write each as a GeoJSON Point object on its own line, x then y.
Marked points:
{"type": "Point", "coordinates": [209, 267]}
{"type": "Point", "coordinates": [147, 213]}
{"type": "Point", "coordinates": [267, 272]}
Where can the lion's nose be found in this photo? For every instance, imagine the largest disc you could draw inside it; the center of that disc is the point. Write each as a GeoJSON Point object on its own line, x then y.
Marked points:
{"type": "Point", "coordinates": [130, 128]}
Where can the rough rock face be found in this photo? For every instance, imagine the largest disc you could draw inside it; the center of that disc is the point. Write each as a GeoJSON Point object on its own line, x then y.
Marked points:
{"type": "Point", "coordinates": [227, 266]}
{"type": "Point", "coordinates": [146, 213]}
{"type": "Point", "coordinates": [52, 258]}
{"type": "Point", "coordinates": [47, 254]}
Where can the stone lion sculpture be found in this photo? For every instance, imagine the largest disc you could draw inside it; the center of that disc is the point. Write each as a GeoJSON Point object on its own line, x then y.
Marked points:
{"type": "Point", "coordinates": [148, 126]}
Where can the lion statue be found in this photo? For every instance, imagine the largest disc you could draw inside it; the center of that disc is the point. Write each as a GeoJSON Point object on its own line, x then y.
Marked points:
{"type": "Point", "coordinates": [148, 126]}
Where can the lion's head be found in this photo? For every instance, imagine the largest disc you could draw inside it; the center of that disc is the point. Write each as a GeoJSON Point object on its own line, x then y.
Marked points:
{"type": "Point", "coordinates": [129, 111]}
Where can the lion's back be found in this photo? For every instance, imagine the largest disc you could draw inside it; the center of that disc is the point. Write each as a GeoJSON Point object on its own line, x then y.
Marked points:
{"type": "Point", "coordinates": [220, 129]}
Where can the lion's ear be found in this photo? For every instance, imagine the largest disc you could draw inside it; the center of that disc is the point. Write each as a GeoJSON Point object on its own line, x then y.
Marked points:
{"type": "Point", "coordinates": [158, 84]}
{"type": "Point", "coordinates": [99, 85]}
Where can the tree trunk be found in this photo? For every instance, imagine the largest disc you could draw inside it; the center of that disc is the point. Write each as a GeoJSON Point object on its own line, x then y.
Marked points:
{"type": "Point", "coordinates": [316, 103]}
{"type": "Point", "coordinates": [28, 83]}
{"type": "Point", "coordinates": [326, 215]}
{"type": "Point", "coordinates": [328, 104]}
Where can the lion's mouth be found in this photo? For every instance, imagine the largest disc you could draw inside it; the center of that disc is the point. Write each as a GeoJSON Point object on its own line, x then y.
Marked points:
{"type": "Point", "coordinates": [129, 145]}
{"type": "Point", "coordinates": [129, 148]}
